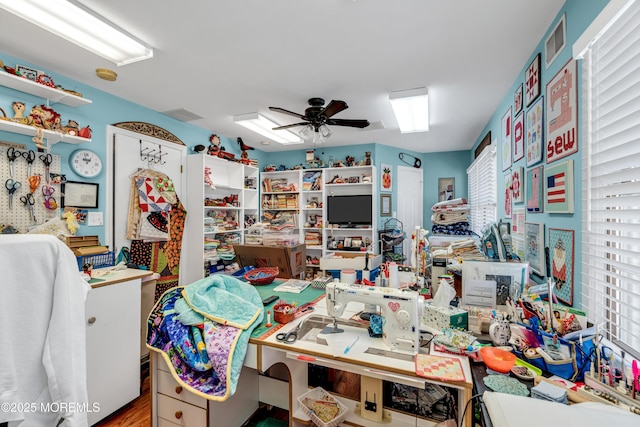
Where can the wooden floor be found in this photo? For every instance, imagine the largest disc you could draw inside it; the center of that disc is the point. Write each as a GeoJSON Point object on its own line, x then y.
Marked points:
{"type": "Point", "coordinates": [135, 414]}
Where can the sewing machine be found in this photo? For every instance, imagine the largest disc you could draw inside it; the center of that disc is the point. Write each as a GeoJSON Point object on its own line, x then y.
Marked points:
{"type": "Point", "coordinates": [401, 310]}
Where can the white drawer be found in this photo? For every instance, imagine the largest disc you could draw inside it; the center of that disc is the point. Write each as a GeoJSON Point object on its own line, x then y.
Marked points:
{"type": "Point", "coordinates": [181, 413]}
{"type": "Point", "coordinates": [169, 386]}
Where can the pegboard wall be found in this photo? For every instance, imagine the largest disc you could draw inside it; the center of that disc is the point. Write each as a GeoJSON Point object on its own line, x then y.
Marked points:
{"type": "Point", "coordinates": [19, 214]}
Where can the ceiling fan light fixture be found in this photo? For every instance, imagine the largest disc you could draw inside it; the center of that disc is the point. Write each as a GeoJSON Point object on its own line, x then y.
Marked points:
{"type": "Point", "coordinates": [263, 126]}
{"type": "Point", "coordinates": [306, 132]}
{"type": "Point", "coordinates": [411, 108]}
{"type": "Point", "coordinates": [82, 26]}
{"type": "Point", "coordinates": [324, 131]}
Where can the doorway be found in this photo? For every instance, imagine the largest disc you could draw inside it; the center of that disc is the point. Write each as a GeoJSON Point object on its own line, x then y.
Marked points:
{"type": "Point", "coordinates": [409, 203]}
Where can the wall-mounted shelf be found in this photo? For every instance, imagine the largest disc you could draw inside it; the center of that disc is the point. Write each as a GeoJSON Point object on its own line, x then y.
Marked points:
{"type": "Point", "coordinates": [51, 136]}
{"type": "Point", "coordinates": [53, 95]}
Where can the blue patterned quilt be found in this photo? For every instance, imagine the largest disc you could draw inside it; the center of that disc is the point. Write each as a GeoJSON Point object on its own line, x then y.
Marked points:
{"type": "Point", "coordinates": [202, 331]}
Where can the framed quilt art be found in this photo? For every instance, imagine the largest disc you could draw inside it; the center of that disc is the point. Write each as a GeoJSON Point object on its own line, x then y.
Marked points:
{"type": "Point", "coordinates": [558, 188]}
{"type": "Point", "coordinates": [562, 114]}
{"type": "Point", "coordinates": [505, 136]}
{"type": "Point", "coordinates": [534, 189]}
{"type": "Point", "coordinates": [507, 196]}
{"type": "Point", "coordinates": [517, 184]}
{"type": "Point", "coordinates": [534, 138]}
{"type": "Point", "coordinates": [517, 99]}
{"type": "Point", "coordinates": [518, 137]}
{"type": "Point", "coordinates": [532, 81]}
{"type": "Point", "coordinates": [561, 252]}
{"type": "Point", "coordinates": [534, 243]}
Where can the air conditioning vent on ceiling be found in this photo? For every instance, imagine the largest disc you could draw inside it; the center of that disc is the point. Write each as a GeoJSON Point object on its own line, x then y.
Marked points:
{"type": "Point", "coordinates": [183, 115]}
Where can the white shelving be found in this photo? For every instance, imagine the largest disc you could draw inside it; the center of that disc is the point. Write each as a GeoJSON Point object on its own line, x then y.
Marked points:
{"type": "Point", "coordinates": [52, 95]}
{"type": "Point", "coordinates": [310, 212]}
{"type": "Point", "coordinates": [205, 210]}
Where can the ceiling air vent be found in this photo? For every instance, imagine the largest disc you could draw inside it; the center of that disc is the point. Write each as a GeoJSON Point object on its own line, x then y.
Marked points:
{"type": "Point", "coordinates": [183, 115]}
{"type": "Point", "coordinates": [556, 41]}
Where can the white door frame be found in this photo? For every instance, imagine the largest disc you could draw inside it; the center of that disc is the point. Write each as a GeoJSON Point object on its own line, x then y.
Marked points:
{"type": "Point", "coordinates": [409, 203]}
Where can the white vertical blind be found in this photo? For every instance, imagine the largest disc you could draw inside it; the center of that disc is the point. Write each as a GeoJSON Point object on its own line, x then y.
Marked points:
{"type": "Point", "coordinates": [483, 189]}
{"type": "Point", "coordinates": [611, 178]}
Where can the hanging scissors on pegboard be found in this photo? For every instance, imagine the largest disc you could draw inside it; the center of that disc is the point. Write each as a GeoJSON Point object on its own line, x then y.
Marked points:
{"type": "Point", "coordinates": [416, 161]}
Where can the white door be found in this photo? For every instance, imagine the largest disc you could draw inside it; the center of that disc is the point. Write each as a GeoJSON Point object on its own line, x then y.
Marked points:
{"type": "Point", "coordinates": [129, 152]}
{"type": "Point", "coordinates": [409, 202]}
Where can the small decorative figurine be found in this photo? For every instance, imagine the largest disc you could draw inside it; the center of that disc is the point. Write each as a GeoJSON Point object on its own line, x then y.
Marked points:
{"type": "Point", "coordinates": [349, 160]}
{"type": "Point", "coordinates": [367, 158]}
{"type": "Point", "coordinates": [214, 145]}
{"type": "Point", "coordinates": [18, 112]}
{"type": "Point", "coordinates": [85, 132]}
{"type": "Point", "coordinates": [72, 128]}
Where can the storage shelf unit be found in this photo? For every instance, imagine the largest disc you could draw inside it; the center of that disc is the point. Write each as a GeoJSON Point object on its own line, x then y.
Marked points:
{"type": "Point", "coordinates": [229, 180]}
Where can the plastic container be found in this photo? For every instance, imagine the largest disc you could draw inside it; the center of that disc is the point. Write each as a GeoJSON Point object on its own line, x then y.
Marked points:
{"type": "Point", "coordinates": [321, 394]}
{"type": "Point", "coordinates": [107, 259]}
{"type": "Point", "coordinates": [497, 359]}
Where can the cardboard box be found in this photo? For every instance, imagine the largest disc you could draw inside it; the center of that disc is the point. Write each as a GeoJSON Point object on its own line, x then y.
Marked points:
{"type": "Point", "coordinates": [353, 261]}
{"type": "Point", "coordinates": [86, 245]}
{"type": "Point", "coordinates": [290, 260]}
{"type": "Point", "coordinates": [445, 317]}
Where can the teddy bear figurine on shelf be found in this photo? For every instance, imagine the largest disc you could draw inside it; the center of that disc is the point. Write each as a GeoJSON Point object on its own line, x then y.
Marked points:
{"type": "Point", "coordinates": [18, 112]}
{"type": "Point", "coordinates": [214, 145]}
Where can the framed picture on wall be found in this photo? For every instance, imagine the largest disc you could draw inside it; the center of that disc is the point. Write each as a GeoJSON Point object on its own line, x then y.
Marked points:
{"type": "Point", "coordinates": [518, 137]}
{"type": "Point", "coordinates": [505, 136]}
{"type": "Point", "coordinates": [507, 195]}
{"type": "Point", "coordinates": [517, 100]}
{"type": "Point", "coordinates": [534, 189]}
{"type": "Point", "coordinates": [558, 187]}
{"type": "Point", "coordinates": [561, 249]}
{"type": "Point", "coordinates": [534, 247]}
{"type": "Point", "coordinates": [517, 185]}
{"type": "Point", "coordinates": [446, 189]}
{"type": "Point", "coordinates": [562, 113]}
{"type": "Point", "coordinates": [533, 137]}
{"type": "Point", "coordinates": [79, 194]}
{"type": "Point", "coordinates": [386, 171]}
{"type": "Point", "coordinates": [385, 205]}
{"type": "Point", "coordinates": [532, 81]}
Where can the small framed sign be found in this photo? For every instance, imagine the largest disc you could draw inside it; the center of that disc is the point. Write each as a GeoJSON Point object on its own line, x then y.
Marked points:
{"type": "Point", "coordinates": [79, 194]}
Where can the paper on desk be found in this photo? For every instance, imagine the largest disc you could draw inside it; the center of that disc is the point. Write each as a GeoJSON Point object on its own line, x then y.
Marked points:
{"type": "Point", "coordinates": [339, 342]}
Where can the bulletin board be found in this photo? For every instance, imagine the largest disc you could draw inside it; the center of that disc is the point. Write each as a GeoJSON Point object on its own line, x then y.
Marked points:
{"type": "Point", "coordinates": [19, 216]}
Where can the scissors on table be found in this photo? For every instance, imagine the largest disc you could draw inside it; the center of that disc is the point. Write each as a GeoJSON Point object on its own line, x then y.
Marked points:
{"type": "Point", "coordinates": [47, 159]}
{"type": "Point", "coordinates": [49, 201]}
{"type": "Point", "coordinates": [289, 337]}
{"type": "Point", "coordinates": [12, 186]}
{"type": "Point", "coordinates": [12, 155]}
{"type": "Point", "coordinates": [29, 201]}
{"type": "Point", "coordinates": [30, 157]}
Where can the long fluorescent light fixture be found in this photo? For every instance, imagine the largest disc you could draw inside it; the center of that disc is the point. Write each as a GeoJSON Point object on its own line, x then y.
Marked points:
{"type": "Point", "coordinates": [411, 108]}
{"type": "Point", "coordinates": [260, 124]}
{"type": "Point", "coordinates": [80, 25]}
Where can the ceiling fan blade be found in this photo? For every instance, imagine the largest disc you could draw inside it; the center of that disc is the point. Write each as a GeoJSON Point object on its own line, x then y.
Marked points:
{"type": "Point", "coordinates": [334, 107]}
{"type": "Point", "coordinates": [347, 122]}
{"type": "Point", "coordinates": [290, 126]}
{"type": "Point", "coordinates": [291, 113]}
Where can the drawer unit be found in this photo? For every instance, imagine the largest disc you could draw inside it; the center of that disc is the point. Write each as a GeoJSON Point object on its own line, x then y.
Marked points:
{"type": "Point", "coordinates": [180, 412]}
{"type": "Point", "coordinates": [168, 386]}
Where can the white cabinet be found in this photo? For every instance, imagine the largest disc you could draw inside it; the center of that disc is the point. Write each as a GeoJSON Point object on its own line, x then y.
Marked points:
{"type": "Point", "coordinates": [221, 197]}
{"type": "Point", "coordinates": [51, 95]}
{"type": "Point", "coordinates": [113, 346]}
{"type": "Point", "coordinates": [280, 202]}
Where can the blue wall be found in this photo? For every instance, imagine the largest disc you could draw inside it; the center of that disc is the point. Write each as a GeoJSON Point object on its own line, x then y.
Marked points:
{"type": "Point", "coordinates": [578, 16]}
{"type": "Point", "coordinates": [107, 109]}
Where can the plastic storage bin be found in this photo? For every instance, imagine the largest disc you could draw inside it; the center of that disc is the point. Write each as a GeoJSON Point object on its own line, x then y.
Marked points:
{"type": "Point", "coordinates": [320, 394]}
{"type": "Point", "coordinates": [106, 259]}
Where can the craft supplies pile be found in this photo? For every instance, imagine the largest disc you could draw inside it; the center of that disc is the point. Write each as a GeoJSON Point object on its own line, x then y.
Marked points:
{"type": "Point", "coordinates": [202, 332]}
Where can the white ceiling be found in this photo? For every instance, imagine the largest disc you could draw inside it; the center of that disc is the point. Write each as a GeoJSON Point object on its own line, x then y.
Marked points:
{"type": "Point", "coordinates": [219, 58]}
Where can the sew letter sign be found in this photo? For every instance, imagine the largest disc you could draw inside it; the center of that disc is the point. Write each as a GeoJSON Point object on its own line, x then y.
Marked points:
{"type": "Point", "coordinates": [562, 114]}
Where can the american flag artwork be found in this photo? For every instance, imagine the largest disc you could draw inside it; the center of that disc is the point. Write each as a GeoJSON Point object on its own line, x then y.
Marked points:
{"type": "Point", "coordinates": [556, 188]}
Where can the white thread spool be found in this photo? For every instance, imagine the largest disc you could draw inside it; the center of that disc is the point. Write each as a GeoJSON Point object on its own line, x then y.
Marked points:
{"type": "Point", "coordinates": [394, 277]}
{"type": "Point", "coordinates": [348, 276]}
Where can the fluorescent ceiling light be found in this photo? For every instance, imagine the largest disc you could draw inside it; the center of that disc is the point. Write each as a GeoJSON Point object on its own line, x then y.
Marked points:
{"type": "Point", "coordinates": [260, 124]}
{"type": "Point", "coordinates": [77, 24]}
{"type": "Point", "coordinates": [411, 108]}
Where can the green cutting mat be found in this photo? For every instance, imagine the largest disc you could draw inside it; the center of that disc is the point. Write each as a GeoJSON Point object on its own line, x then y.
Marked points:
{"type": "Point", "coordinates": [308, 295]}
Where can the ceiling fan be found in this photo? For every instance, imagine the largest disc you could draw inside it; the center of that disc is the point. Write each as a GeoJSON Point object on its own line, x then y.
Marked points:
{"type": "Point", "coordinates": [316, 115]}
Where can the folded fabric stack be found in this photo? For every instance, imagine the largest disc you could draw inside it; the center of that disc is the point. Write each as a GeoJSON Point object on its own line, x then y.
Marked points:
{"type": "Point", "coordinates": [451, 217]}
{"type": "Point", "coordinates": [548, 391]}
{"type": "Point", "coordinates": [466, 248]}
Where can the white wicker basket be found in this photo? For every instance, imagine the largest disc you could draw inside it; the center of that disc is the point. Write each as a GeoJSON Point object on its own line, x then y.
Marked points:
{"type": "Point", "coordinates": [319, 393]}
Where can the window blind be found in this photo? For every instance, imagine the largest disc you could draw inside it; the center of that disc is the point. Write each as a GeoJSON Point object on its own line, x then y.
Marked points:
{"type": "Point", "coordinates": [611, 179]}
{"type": "Point", "coordinates": [483, 189]}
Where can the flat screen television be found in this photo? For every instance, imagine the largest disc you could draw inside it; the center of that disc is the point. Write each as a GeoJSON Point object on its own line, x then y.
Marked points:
{"type": "Point", "coordinates": [349, 210]}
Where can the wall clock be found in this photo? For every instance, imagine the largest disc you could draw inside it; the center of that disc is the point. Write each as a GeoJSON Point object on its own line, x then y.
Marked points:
{"type": "Point", "coordinates": [85, 163]}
